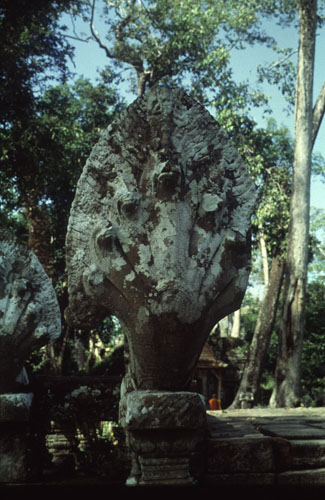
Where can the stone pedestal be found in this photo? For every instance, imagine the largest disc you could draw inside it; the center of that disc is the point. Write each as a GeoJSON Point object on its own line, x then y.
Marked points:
{"type": "Point", "coordinates": [14, 437]}
{"type": "Point", "coordinates": [164, 430]}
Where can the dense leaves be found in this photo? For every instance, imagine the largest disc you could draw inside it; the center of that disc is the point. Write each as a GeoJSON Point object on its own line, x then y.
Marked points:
{"type": "Point", "coordinates": [30, 48]}
{"type": "Point", "coordinates": [313, 352]}
{"type": "Point", "coordinates": [188, 43]}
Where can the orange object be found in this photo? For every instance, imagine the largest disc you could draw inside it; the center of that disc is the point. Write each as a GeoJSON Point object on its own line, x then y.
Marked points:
{"type": "Point", "coordinates": [214, 403]}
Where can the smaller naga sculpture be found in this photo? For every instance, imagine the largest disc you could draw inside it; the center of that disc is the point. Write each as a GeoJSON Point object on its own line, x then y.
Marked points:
{"type": "Point", "coordinates": [159, 235]}
{"type": "Point", "coordinates": [29, 312]}
{"type": "Point", "coordinates": [29, 318]}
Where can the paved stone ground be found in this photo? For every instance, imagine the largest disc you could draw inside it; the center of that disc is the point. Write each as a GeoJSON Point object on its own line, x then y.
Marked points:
{"type": "Point", "coordinates": [264, 446]}
{"type": "Point", "coordinates": [291, 423]}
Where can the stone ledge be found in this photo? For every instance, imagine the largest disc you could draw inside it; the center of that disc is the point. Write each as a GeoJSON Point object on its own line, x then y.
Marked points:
{"type": "Point", "coordinates": [308, 453]}
{"type": "Point", "coordinates": [302, 477]}
{"type": "Point", "coordinates": [241, 479]}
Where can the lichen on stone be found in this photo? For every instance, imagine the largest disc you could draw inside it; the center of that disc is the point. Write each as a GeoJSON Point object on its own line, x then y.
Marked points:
{"type": "Point", "coordinates": [159, 233]}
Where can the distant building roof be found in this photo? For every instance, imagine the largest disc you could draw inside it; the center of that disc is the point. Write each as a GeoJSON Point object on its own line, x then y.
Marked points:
{"type": "Point", "coordinates": [208, 360]}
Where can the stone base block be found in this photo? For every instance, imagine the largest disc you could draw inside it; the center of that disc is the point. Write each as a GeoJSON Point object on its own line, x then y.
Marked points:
{"type": "Point", "coordinates": [165, 471]}
{"type": "Point", "coordinates": [164, 430]}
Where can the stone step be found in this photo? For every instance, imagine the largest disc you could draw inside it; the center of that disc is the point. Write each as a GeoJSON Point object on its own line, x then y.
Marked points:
{"type": "Point", "coordinates": [308, 477]}
{"type": "Point", "coordinates": [308, 454]}
{"type": "Point", "coordinates": [249, 454]}
{"type": "Point", "coordinates": [260, 454]}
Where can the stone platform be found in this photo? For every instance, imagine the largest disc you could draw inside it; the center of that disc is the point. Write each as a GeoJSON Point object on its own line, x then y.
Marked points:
{"type": "Point", "coordinates": [269, 447]}
{"type": "Point", "coordinates": [247, 450]}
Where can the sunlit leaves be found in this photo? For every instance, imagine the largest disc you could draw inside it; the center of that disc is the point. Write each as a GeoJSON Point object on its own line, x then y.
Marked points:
{"type": "Point", "coordinates": [185, 42]}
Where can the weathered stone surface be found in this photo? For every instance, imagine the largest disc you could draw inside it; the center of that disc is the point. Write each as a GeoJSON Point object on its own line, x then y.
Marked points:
{"type": "Point", "coordinates": [165, 471]}
{"type": "Point", "coordinates": [296, 462]}
{"type": "Point", "coordinates": [292, 430]}
{"type": "Point", "coordinates": [29, 311]}
{"type": "Point", "coordinates": [239, 479]}
{"type": "Point", "coordinates": [163, 430]}
{"type": "Point", "coordinates": [254, 454]}
{"type": "Point", "coordinates": [308, 453]}
{"type": "Point", "coordinates": [164, 410]}
{"type": "Point", "coordinates": [159, 234]}
{"type": "Point", "coordinates": [13, 457]}
{"type": "Point", "coordinates": [15, 407]}
{"type": "Point", "coordinates": [311, 477]}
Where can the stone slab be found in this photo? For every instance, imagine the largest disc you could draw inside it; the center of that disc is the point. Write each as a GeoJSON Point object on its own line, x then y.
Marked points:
{"type": "Point", "coordinates": [238, 455]}
{"type": "Point", "coordinates": [292, 430]}
{"type": "Point", "coordinates": [312, 477]}
{"type": "Point", "coordinates": [308, 453]}
{"type": "Point", "coordinates": [230, 427]}
{"type": "Point", "coordinates": [241, 479]}
{"type": "Point", "coordinates": [292, 424]}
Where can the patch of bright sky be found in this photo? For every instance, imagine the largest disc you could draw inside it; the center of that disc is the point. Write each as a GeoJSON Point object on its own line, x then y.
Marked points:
{"type": "Point", "coordinates": [90, 58]}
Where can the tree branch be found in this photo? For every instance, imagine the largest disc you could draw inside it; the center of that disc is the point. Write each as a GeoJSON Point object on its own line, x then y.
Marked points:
{"type": "Point", "coordinates": [277, 63]}
{"type": "Point", "coordinates": [95, 34]}
{"type": "Point", "coordinates": [86, 40]}
{"type": "Point", "coordinates": [318, 113]}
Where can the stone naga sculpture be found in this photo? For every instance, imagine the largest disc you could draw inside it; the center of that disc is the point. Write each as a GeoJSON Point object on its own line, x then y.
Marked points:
{"type": "Point", "coordinates": [159, 234]}
{"type": "Point", "coordinates": [29, 318]}
{"type": "Point", "coordinates": [29, 312]}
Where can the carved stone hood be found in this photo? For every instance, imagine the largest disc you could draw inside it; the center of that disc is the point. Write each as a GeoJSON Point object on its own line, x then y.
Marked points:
{"type": "Point", "coordinates": [159, 234]}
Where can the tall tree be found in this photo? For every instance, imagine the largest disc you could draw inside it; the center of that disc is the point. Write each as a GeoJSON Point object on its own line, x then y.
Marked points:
{"type": "Point", "coordinates": [271, 223]}
{"type": "Point", "coordinates": [66, 123]}
{"type": "Point", "coordinates": [32, 52]}
{"type": "Point", "coordinates": [287, 374]}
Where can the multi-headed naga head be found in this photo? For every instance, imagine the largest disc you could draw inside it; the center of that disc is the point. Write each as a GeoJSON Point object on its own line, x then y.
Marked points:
{"type": "Point", "coordinates": [159, 234]}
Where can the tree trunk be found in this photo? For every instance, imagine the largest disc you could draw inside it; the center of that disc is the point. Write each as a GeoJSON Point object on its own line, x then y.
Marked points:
{"type": "Point", "coordinates": [318, 112]}
{"type": "Point", "coordinates": [235, 328]}
{"type": "Point", "coordinates": [250, 382]}
{"type": "Point", "coordinates": [286, 392]}
{"type": "Point", "coordinates": [266, 272]}
{"type": "Point", "coordinates": [143, 77]}
{"type": "Point", "coordinates": [38, 229]}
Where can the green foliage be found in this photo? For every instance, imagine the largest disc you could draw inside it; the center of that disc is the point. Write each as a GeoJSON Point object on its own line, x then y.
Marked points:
{"type": "Point", "coordinates": [31, 51]}
{"type": "Point", "coordinates": [268, 154]}
{"type": "Point", "coordinates": [65, 124]}
{"type": "Point", "coordinates": [69, 122]}
{"type": "Point", "coordinates": [316, 267]}
{"type": "Point", "coordinates": [87, 417]}
{"type": "Point", "coordinates": [313, 351]}
{"type": "Point", "coordinates": [248, 315]}
{"type": "Point", "coordinates": [186, 43]}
